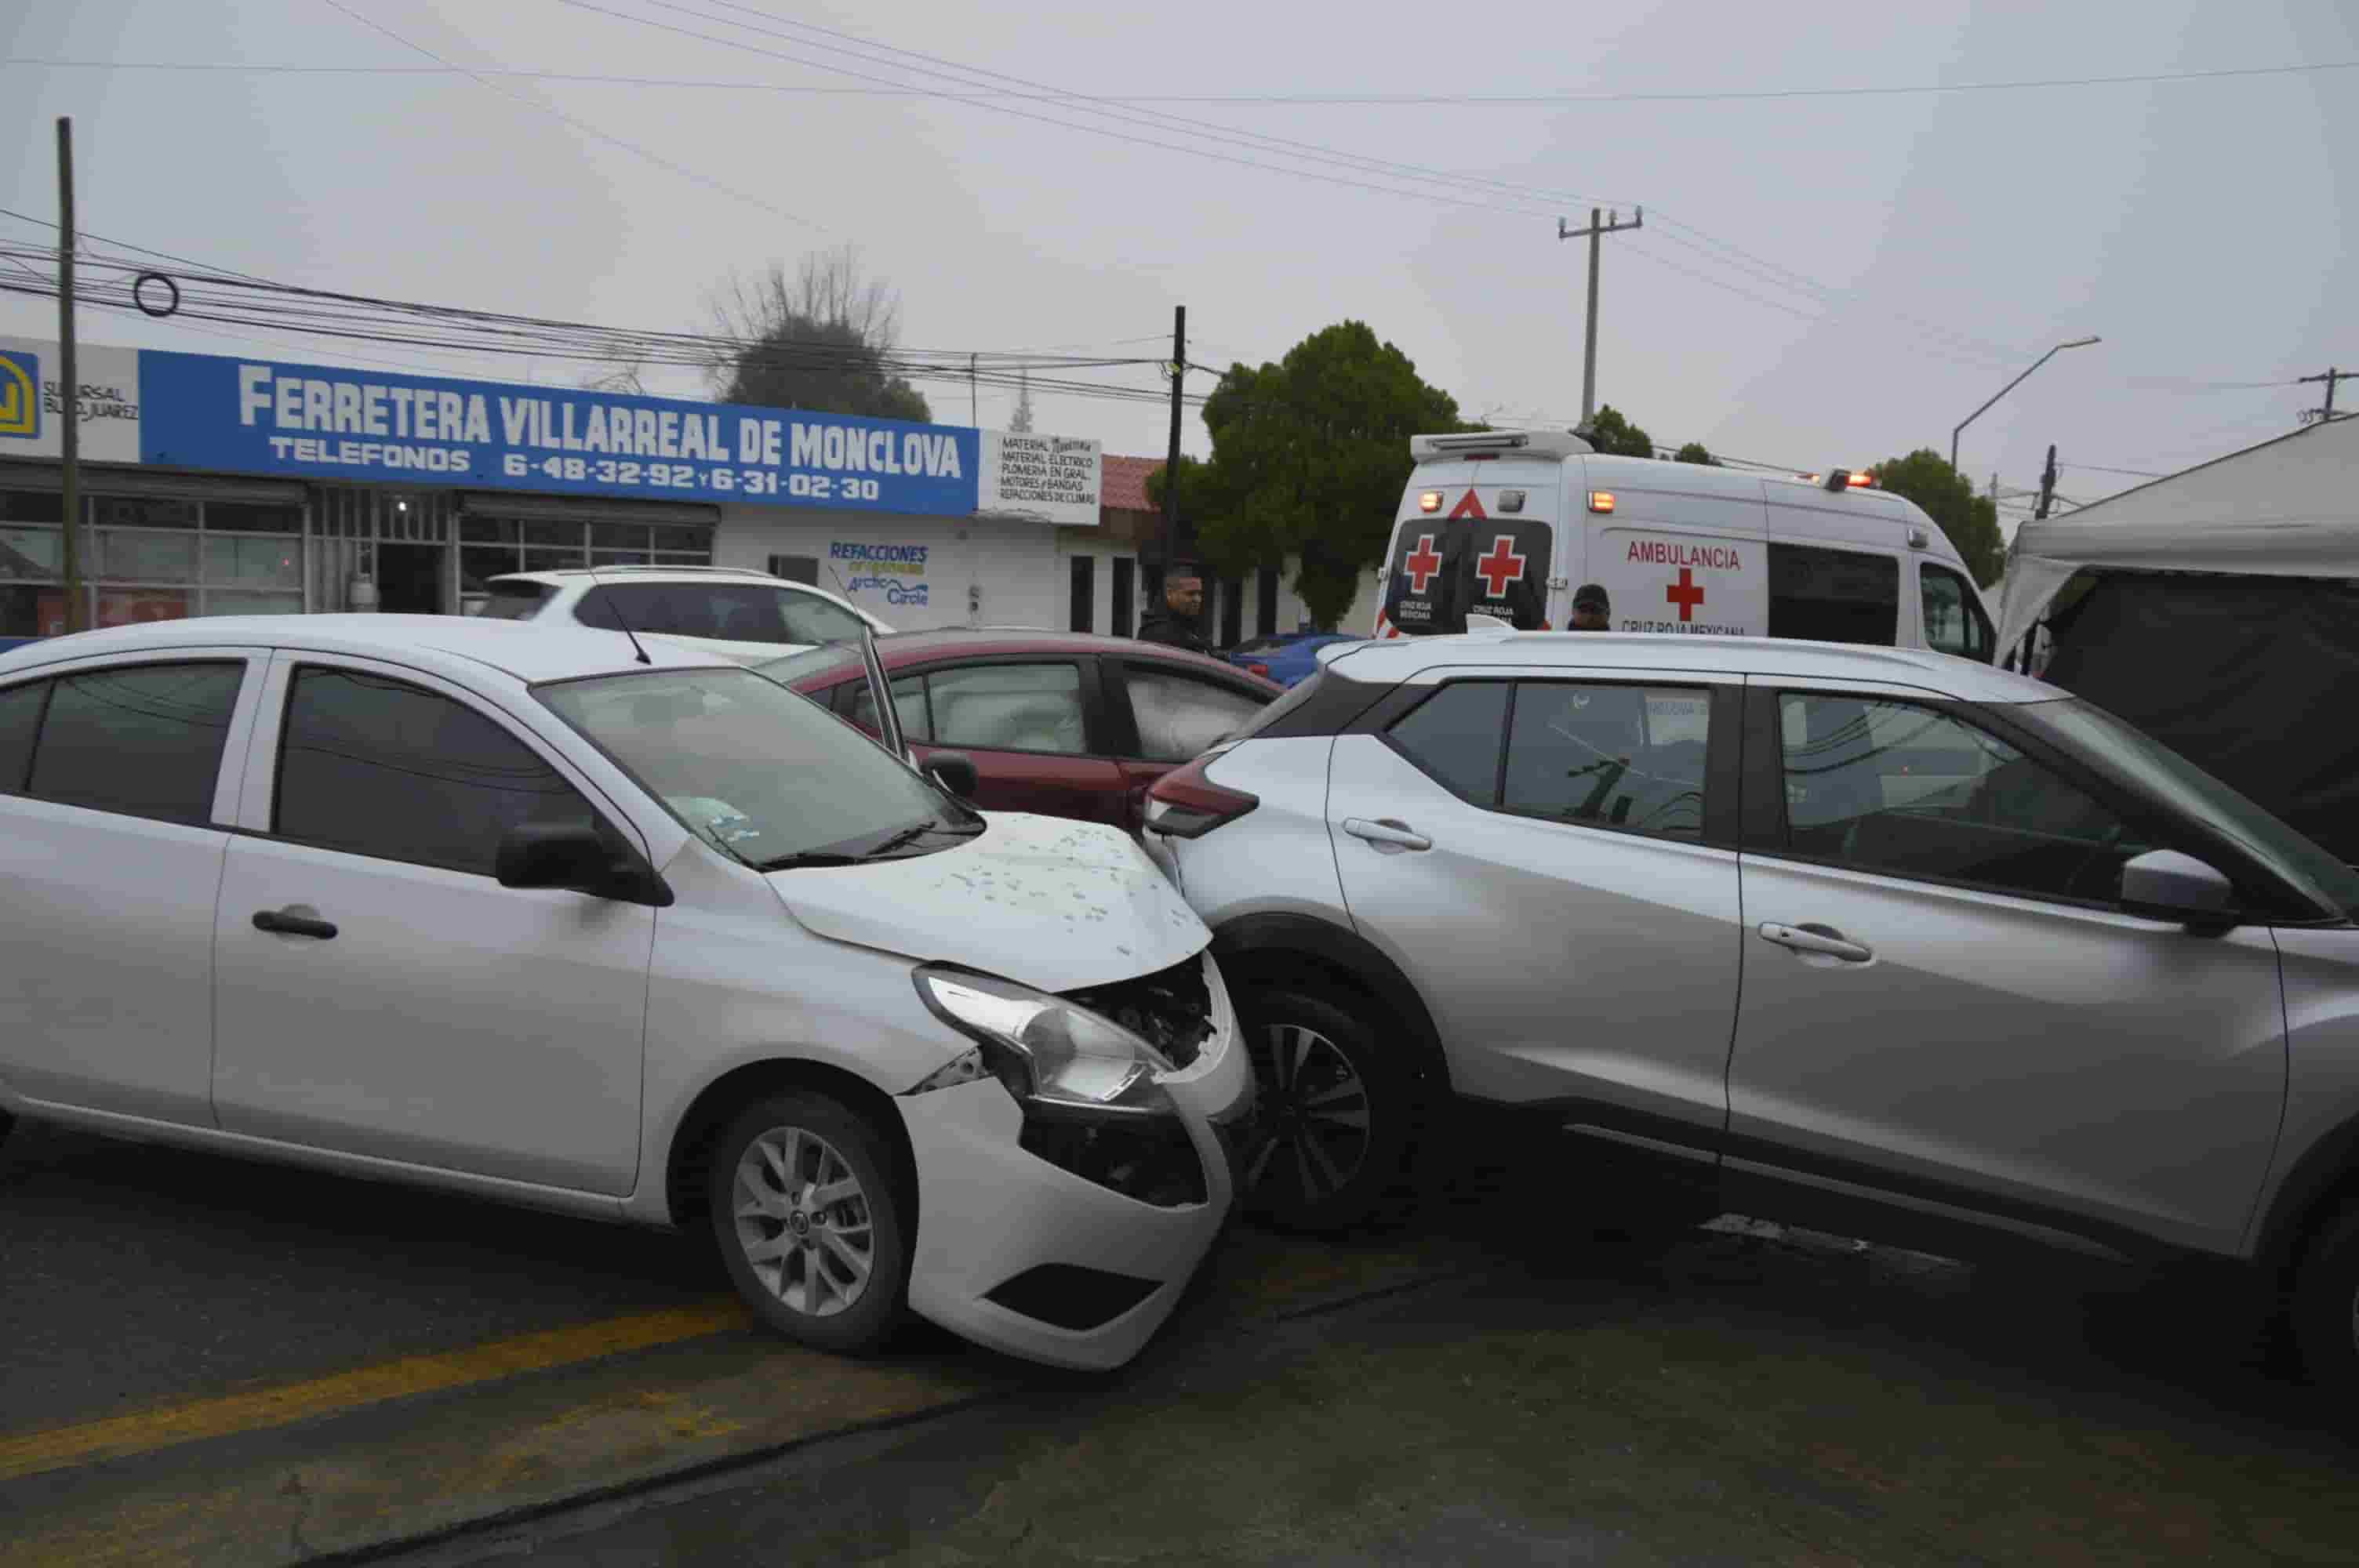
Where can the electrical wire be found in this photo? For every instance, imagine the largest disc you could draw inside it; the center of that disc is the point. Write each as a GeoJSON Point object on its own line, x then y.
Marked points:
{"type": "Point", "coordinates": [1337, 100]}
{"type": "Point", "coordinates": [683, 170]}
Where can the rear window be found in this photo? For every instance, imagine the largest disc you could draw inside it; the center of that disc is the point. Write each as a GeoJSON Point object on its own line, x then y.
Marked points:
{"type": "Point", "coordinates": [1441, 570]}
{"type": "Point", "coordinates": [516, 601]}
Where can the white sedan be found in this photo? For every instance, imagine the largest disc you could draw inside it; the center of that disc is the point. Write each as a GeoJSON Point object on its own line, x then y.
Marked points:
{"type": "Point", "coordinates": [523, 912]}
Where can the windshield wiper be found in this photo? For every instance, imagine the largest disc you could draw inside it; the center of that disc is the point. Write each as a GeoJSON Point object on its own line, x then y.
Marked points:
{"type": "Point", "coordinates": [918, 830]}
{"type": "Point", "coordinates": [808, 858]}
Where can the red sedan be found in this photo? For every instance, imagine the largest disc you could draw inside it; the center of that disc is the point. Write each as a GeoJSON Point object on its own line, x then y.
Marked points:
{"type": "Point", "coordinates": [1062, 723]}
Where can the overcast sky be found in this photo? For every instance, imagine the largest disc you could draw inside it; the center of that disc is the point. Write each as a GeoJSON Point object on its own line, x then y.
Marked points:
{"type": "Point", "coordinates": [1907, 253]}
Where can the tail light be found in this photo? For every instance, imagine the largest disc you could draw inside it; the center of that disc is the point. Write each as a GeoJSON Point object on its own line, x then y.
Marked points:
{"type": "Point", "coordinates": [1261, 670]}
{"type": "Point", "coordinates": [1184, 804]}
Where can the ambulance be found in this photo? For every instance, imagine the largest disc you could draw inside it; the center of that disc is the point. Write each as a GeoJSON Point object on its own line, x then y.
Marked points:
{"type": "Point", "coordinates": [1509, 524]}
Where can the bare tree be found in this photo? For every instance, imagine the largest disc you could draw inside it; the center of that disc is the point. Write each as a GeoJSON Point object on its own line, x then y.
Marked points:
{"type": "Point", "coordinates": [821, 338]}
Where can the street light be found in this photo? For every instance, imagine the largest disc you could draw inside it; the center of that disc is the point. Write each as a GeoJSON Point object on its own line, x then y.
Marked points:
{"type": "Point", "coordinates": [2010, 386]}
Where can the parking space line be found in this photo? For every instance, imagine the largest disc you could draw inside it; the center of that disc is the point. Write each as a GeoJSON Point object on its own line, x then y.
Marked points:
{"type": "Point", "coordinates": [29, 1454]}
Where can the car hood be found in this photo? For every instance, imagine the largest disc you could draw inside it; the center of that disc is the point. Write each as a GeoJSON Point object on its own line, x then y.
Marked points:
{"type": "Point", "coordinates": [1039, 900]}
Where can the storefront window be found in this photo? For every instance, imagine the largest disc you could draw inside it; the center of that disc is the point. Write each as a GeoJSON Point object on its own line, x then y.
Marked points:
{"type": "Point", "coordinates": [548, 534]}
{"type": "Point", "coordinates": [129, 556]}
{"type": "Point", "coordinates": [129, 606]}
{"type": "Point", "coordinates": [246, 517]}
{"type": "Point", "coordinates": [30, 554]}
{"type": "Point", "coordinates": [31, 506]}
{"type": "Point", "coordinates": [487, 530]}
{"type": "Point", "coordinates": [141, 512]}
{"type": "Point", "coordinates": [552, 560]}
{"type": "Point", "coordinates": [260, 563]}
{"type": "Point", "coordinates": [478, 564]}
{"type": "Point", "coordinates": [618, 536]}
{"type": "Point", "coordinates": [239, 601]}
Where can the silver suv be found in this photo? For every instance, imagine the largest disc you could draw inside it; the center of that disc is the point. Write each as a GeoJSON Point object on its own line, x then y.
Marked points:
{"type": "Point", "coordinates": [1848, 934]}
{"type": "Point", "coordinates": [739, 613]}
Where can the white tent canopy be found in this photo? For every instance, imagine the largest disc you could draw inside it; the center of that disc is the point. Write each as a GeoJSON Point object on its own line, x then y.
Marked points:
{"type": "Point", "coordinates": [2286, 508]}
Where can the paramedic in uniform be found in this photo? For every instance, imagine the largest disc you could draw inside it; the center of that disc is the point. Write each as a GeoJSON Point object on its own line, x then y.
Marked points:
{"type": "Point", "coordinates": [1592, 612]}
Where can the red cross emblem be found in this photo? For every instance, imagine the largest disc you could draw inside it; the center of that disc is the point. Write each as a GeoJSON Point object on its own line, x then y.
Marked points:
{"type": "Point", "coordinates": [1422, 564]}
{"type": "Point", "coordinates": [1502, 566]}
{"type": "Point", "coordinates": [1687, 593]}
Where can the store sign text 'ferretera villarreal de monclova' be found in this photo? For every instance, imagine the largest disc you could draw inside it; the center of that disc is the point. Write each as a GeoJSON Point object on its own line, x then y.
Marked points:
{"type": "Point", "coordinates": [204, 411]}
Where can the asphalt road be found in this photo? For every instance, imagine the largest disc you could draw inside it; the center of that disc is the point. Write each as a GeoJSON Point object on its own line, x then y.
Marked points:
{"type": "Point", "coordinates": [214, 1362]}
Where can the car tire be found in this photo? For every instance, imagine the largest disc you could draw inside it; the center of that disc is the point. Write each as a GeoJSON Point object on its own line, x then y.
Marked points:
{"type": "Point", "coordinates": [1339, 1109]}
{"type": "Point", "coordinates": [811, 1226]}
{"type": "Point", "coordinates": [2325, 1306]}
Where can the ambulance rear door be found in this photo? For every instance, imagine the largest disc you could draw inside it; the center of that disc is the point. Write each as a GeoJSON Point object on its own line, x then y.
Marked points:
{"type": "Point", "coordinates": [1679, 551]}
{"type": "Point", "coordinates": [1478, 537]}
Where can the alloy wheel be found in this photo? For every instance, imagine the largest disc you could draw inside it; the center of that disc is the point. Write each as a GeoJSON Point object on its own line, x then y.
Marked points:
{"type": "Point", "coordinates": [803, 1221]}
{"type": "Point", "coordinates": [1316, 1136]}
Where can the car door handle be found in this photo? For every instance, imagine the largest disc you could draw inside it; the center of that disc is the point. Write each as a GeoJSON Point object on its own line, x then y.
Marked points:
{"type": "Point", "coordinates": [288, 924]}
{"type": "Point", "coordinates": [1823, 940]}
{"type": "Point", "coordinates": [1387, 831]}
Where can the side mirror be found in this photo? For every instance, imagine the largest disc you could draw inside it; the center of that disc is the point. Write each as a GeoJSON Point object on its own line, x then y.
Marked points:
{"type": "Point", "coordinates": [2163, 884]}
{"type": "Point", "coordinates": [575, 856]}
{"type": "Point", "coordinates": [954, 770]}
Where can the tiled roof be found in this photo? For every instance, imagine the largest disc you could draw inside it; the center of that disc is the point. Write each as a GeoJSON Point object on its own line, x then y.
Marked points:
{"type": "Point", "coordinates": [1123, 482]}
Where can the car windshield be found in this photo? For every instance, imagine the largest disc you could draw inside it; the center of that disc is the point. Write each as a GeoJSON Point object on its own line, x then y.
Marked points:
{"type": "Point", "coordinates": [2187, 788]}
{"type": "Point", "coordinates": [747, 765]}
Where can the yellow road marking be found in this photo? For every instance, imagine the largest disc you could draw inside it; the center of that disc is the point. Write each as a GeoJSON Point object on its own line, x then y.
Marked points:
{"type": "Point", "coordinates": [32, 1453]}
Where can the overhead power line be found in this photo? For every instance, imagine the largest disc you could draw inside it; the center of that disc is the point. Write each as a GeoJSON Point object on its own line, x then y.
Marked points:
{"type": "Point", "coordinates": [1291, 100]}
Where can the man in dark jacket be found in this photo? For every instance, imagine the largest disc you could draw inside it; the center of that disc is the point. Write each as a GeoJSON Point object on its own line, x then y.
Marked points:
{"type": "Point", "coordinates": [1175, 624]}
{"type": "Point", "coordinates": [1592, 610]}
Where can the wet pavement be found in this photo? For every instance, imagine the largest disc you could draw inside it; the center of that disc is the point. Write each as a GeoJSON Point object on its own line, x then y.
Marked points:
{"type": "Point", "coordinates": [1740, 1394]}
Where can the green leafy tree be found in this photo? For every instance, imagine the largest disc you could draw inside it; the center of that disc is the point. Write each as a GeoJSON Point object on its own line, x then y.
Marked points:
{"type": "Point", "coordinates": [1694, 452]}
{"type": "Point", "coordinates": [822, 339]}
{"type": "Point", "coordinates": [1611, 431]}
{"type": "Point", "coordinates": [1947, 497]}
{"type": "Point", "coordinates": [1308, 458]}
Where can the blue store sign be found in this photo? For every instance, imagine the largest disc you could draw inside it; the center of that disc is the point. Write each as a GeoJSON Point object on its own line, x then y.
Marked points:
{"type": "Point", "coordinates": [200, 411]}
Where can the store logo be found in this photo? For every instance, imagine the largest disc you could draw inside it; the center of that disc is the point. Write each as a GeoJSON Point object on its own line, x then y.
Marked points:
{"type": "Point", "coordinates": [20, 394]}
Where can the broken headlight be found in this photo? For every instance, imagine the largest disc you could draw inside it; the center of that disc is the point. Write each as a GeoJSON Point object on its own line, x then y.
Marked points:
{"type": "Point", "coordinates": [1047, 1051]}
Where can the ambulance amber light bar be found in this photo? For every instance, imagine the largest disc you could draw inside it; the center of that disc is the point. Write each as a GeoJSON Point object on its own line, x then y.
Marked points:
{"type": "Point", "coordinates": [1429, 501]}
{"type": "Point", "coordinates": [1601, 501]}
{"type": "Point", "coordinates": [1848, 479]}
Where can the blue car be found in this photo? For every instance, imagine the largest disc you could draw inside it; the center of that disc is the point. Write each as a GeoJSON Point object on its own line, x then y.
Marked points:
{"type": "Point", "coordinates": [1288, 658]}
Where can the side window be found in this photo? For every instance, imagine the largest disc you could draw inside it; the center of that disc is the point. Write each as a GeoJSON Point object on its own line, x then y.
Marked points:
{"type": "Point", "coordinates": [1954, 622]}
{"type": "Point", "coordinates": [909, 701]}
{"type": "Point", "coordinates": [1009, 708]}
{"type": "Point", "coordinates": [21, 720]}
{"type": "Point", "coordinates": [1833, 596]}
{"type": "Point", "coordinates": [381, 767]}
{"type": "Point", "coordinates": [147, 741]}
{"type": "Point", "coordinates": [807, 617]}
{"type": "Point", "coordinates": [1453, 738]}
{"type": "Point", "coordinates": [1911, 791]}
{"type": "Point", "coordinates": [1180, 717]}
{"type": "Point", "coordinates": [1609, 756]}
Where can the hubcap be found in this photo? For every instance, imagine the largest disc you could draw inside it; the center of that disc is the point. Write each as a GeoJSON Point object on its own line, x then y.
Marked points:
{"type": "Point", "coordinates": [803, 1221]}
{"type": "Point", "coordinates": [1315, 1138]}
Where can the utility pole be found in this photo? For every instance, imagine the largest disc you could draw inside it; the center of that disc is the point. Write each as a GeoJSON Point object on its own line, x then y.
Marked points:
{"type": "Point", "coordinates": [2326, 414]}
{"type": "Point", "coordinates": [70, 379]}
{"type": "Point", "coordinates": [1599, 225]}
{"type": "Point", "coordinates": [1172, 543]}
{"type": "Point", "coordinates": [2047, 485]}
{"type": "Point", "coordinates": [974, 415]}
